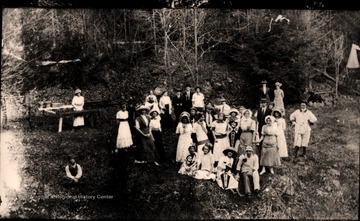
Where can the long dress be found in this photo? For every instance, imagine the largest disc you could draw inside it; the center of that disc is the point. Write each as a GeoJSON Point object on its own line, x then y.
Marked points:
{"type": "Point", "coordinates": [269, 153]}
{"type": "Point", "coordinates": [78, 103]}
{"type": "Point", "coordinates": [248, 127]}
{"type": "Point", "coordinates": [124, 137]}
{"type": "Point", "coordinates": [221, 138]}
{"type": "Point", "coordinates": [278, 100]}
{"type": "Point", "coordinates": [184, 141]}
{"type": "Point", "coordinates": [283, 151]}
{"type": "Point", "coordinates": [224, 177]}
{"type": "Point", "coordinates": [145, 144]}
{"type": "Point", "coordinates": [188, 169]}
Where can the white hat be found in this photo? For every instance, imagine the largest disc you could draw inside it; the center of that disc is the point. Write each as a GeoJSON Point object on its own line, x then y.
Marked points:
{"type": "Point", "coordinates": [248, 148]}
{"type": "Point", "coordinates": [77, 91]}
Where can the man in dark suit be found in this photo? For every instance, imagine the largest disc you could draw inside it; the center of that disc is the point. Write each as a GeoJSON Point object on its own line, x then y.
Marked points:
{"type": "Point", "coordinates": [178, 104]}
{"type": "Point", "coordinates": [261, 113]}
{"type": "Point", "coordinates": [264, 90]}
{"type": "Point", "coordinates": [187, 98]}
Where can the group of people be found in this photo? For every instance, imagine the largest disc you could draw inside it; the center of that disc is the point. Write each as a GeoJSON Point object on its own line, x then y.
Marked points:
{"type": "Point", "coordinates": [215, 141]}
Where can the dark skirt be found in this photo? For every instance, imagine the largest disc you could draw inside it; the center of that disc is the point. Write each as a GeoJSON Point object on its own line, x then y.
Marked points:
{"type": "Point", "coordinates": [159, 144]}
{"type": "Point", "coordinates": [145, 149]}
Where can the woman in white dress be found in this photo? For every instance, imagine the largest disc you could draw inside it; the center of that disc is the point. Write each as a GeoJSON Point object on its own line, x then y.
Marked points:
{"type": "Point", "coordinates": [278, 98]}
{"type": "Point", "coordinates": [220, 132]}
{"type": "Point", "coordinates": [78, 102]}
{"type": "Point", "coordinates": [184, 129]}
{"type": "Point", "coordinates": [281, 124]}
{"type": "Point", "coordinates": [124, 137]}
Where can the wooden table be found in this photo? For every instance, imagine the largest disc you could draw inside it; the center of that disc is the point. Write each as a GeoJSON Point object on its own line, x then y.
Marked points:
{"type": "Point", "coordinates": [70, 112]}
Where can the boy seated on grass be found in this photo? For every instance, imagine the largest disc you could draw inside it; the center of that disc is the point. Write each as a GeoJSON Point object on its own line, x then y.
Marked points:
{"type": "Point", "coordinates": [73, 173]}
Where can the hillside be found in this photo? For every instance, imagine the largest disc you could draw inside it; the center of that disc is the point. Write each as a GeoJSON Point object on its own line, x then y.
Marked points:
{"type": "Point", "coordinates": [324, 186]}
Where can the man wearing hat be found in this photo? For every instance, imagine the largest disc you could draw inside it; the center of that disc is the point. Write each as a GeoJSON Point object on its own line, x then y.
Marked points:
{"type": "Point", "coordinates": [264, 91]}
{"type": "Point", "coordinates": [209, 118]}
{"type": "Point", "coordinates": [187, 98]}
{"type": "Point", "coordinates": [247, 168]}
{"type": "Point", "coordinates": [78, 104]}
{"type": "Point", "coordinates": [301, 119]}
{"type": "Point", "coordinates": [178, 104]}
{"type": "Point", "coordinates": [198, 100]}
{"type": "Point", "coordinates": [144, 138]}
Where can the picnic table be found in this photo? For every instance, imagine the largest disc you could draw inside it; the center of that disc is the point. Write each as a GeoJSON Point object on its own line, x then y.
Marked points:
{"type": "Point", "coordinates": [66, 111]}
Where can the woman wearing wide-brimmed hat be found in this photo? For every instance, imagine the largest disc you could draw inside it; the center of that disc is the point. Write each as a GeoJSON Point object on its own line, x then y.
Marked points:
{"type": "Point", "coordinates": [144, 138]}
{"type": "Point", "coordinates": [281, 124]}
{"type": "Point", "coordinates": [184, 129]}
{"type": "Point", "coordinates": [279, 98]}
{"type": "Point", "coordinates": [78, 102]}
{"type": "Point", "coordinates": [224, 176]}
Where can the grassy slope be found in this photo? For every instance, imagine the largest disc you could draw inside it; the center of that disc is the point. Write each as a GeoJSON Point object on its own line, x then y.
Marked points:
{"type": "Point", "coordinates": [326, 185]}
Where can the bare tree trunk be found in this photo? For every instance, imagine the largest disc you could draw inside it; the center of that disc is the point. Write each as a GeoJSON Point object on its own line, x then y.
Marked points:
{"type": "Point", "coordinates": [154, 30]}
{"type": "Point", "coordinates": [196, 47]}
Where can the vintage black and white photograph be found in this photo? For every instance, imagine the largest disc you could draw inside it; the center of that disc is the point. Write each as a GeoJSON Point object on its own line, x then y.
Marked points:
{"type": "Point", "coordinates": [179, 110]}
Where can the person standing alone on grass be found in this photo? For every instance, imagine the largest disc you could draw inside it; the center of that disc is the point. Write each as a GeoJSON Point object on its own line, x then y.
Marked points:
{"type": "Point", "coordinates": [78, 104]}
{"type": "Point", "coordinates": [301, 119]}
{"type": "Point", "coordinates": [124, 137]}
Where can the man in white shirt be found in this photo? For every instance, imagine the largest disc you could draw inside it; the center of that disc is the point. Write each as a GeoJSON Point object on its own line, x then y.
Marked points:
{"type": "Point", "coordinates": [198, 100]}
{"type": "Point", "coordinates": [247, 167]}
{"type": "Point", "coordinates": [301, 119]}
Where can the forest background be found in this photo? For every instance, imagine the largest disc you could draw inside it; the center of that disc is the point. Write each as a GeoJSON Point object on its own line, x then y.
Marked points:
{"type": "Point", "coordinates": [115, 53]}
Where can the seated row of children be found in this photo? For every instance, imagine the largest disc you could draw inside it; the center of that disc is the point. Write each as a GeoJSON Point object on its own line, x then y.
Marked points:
{"type": "Point", "coordinates": [228, 171]}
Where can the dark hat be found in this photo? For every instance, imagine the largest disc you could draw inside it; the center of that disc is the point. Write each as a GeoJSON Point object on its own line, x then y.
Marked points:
{"type": "Point", "coordinates": [226, 151]}
{"type": "Point", "coordinates": [197, 88]}
{"type": "Point", "coordinates": [209, 106]}
{"type": "Point", "coordinates": [264, 82]}
{"type": "Point", "coordinates": [193, 108]}
{"type": "Point", "coordinates": [143, 107]}
{"type": "Point", "coordinates": [178, 89]}
{"type": "Point", "coordinates": [263, 100]}
{"type": "Point", "coordinates": [192, 145]}
{"type": "Point", "coordinates": [276, 110]}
